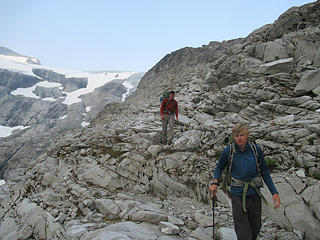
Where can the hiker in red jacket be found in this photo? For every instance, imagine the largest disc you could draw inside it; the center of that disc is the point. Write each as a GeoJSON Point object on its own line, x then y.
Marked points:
{"type": "Point", "coordinates": [169, 108]}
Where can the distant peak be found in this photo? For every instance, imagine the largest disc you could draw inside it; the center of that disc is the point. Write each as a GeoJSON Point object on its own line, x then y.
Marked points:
{"type": "Point", "coordinates": [18, 57]}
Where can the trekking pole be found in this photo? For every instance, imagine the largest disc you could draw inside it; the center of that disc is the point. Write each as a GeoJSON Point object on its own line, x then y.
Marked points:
{"type": "Point", "coordinates": [213, 200]}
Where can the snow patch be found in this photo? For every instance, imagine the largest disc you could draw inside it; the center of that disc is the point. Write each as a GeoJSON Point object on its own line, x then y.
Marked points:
{"type": "Point", "coordinates": [7, 131]}
{"type": "Point", "coordinates": [47, 84]}
{"type": "Point", "coordinates": [95, 80]}
{"type": "Point", "coordinates": [18, 59]}
{"type": "Point", "coordinates": [128, 86]}
{"type": "Point", "coordinates": [84, 124]}
{"type": "Point", "coordinates": [26, 92]}
{"type": "Point", "coordinates": [49, 99]}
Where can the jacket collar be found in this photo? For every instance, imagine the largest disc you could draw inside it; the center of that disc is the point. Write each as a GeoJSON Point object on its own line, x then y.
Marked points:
{"type": "Point", "coordinates": [238, 148]}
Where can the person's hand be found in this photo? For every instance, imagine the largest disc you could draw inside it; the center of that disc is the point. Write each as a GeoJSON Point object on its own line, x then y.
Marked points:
{"type": "Point", "coordinates": [177, 119]}
{"type": "Point", "coordinates": [213, 190]}
{"type": "Point", "coordinates": [276, 201]}
{"type": "Point", "coordinates": [162, 117]}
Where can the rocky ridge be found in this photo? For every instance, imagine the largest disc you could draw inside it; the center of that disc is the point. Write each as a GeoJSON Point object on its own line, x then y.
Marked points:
{"type": "Point", "coordinates": [113, 179]}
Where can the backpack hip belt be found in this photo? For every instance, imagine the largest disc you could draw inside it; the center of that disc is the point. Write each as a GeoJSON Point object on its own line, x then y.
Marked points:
{"type": "Point", "coordinates": [257, 181]}
{"type": "Point", "coordinates": [244, 194]}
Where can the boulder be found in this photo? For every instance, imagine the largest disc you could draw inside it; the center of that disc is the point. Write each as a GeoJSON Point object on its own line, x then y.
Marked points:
{"type": "Point", "coordinates": [311, 196]}
{"type": "Point", "coordinates": [169, 228]}
{"type": "Point", "coordinates": [278, 66]}
{"type": "Point", "coordinates": [108, 207]}
{"type": "Point", "coordinates": [9, 229]}
{"type": "Point", "coordinates": [302, 219]}
{"type": "Point", "coordinates": [309, 81]}
{"type": "Point", "coordinates": [190, 140]}
{"type": "Point", "coordinates": [202, 233]}
{"type": "Point", "coordinates": [154, 149]}
{"type": "Point", "coordinates": [224, 233]}
{"type": "Point", "coordinates": [203, 220]}
{"type": "Point", "coordinates": [293, 212]}
{"type": "Point", "coordinates": [150, 213]}
{"type": "Point", "coordinates": [127, 231]}
{"type": "Point", "coordinates": [275, 50]}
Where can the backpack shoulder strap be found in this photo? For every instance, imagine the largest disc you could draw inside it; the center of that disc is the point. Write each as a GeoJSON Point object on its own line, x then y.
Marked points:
{"type": "Point", "coordinates": [255, 151]}
{"type": "Point", "coordinates": [165, 102]}
{"type": "Point", "coordinates": [226, 175]}
{"type": "Point", "coordinates": [231, 154]}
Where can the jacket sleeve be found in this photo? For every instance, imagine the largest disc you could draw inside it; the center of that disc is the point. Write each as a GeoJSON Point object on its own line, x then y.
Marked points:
{"type": "Point", "coordinates": [265, 173]}
{"type": "Point", "coordinates": [222, 163]}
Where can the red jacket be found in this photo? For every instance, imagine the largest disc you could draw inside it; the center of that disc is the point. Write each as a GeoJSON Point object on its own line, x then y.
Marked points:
{"type": "Point", "coordinates": [169, 107]}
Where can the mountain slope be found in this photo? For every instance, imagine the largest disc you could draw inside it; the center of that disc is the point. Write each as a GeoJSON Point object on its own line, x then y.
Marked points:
{"type": "Point", "coordinates": [113, 179]}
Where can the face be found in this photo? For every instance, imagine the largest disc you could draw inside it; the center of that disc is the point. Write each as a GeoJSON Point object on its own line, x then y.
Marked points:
{"type": "Point", "coordinates": [171, 96]}
{"type": "Point", "coordinates": [241, 138]}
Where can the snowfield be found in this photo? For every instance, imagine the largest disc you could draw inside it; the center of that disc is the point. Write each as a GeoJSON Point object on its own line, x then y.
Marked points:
{"type": "Point", "coordinates": [95, 80]}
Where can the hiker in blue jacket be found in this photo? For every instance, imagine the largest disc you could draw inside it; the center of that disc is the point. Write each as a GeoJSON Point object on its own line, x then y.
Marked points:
{"type": "Point", "coordinates": [246, 173]}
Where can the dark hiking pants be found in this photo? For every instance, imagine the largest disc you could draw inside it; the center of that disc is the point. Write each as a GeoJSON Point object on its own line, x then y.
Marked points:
{"type": "Point", "coordinates": [247, 224]}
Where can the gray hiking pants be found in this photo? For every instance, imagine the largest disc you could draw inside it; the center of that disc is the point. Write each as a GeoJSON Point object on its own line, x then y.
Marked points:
{"type": "Point", "coordinates": [167, 134]}
{"type": "Point", "coordinates": [246, 224]}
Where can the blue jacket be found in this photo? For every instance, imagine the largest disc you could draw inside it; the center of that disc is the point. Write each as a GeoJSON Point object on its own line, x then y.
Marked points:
{"type": "Point", "coordinates": [244, 167]}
